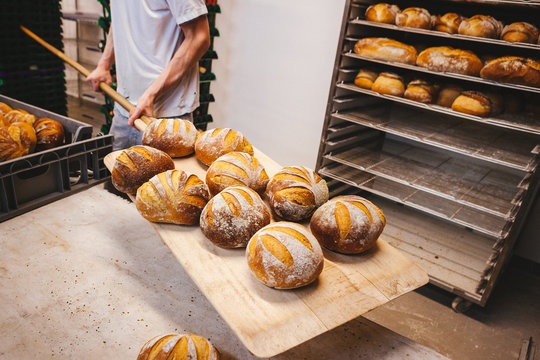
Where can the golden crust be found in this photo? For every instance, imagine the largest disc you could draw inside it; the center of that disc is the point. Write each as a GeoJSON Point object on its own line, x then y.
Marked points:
{"type": "Point", "coordinates": [382, 12]}
{"type": "Point", "coordinates": [473, 103]}
{"type": "Point", "coordinates": [414, 17]}
{"type": "Point", "coordinates": [175, 346]}
{"type": "Point", "coordinates": [389, 83]}
{"type": "Point", "coordinates": [386, 49]}
{"type": "Point", "coordinates": [520, 32]}
{"type": "Point", "coordinates": [447, 59]}
{"type": "Point", "coordinates": [49, 133]}
{"type": "Point", "coordinates": [513, 69]}
{"type": "Point", "coordinates": [216, 142]}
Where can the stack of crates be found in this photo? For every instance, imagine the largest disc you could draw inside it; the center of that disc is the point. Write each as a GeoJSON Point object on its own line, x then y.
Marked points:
{"type": "Point", "coordinates": [28, 71]}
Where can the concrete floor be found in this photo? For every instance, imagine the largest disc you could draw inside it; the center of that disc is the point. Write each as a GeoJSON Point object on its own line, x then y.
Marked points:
{"type": "Point", "coordinates": [496, 331]}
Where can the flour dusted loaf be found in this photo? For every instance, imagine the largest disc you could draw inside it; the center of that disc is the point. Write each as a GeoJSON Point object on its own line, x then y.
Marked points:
{"type": "Point", "coordinates": [295, 192]}
{"type": "Point", "coordinates": [16, 140]}
{"type": "Point", "coordinates": [216, 142]}
{"type": "Point", "coordinates": [136, 165]}
{"type": "Point", "coordinates": [421, 91]}
{"type": "Point", "coordinates": [520, 32]}
{"type": "Point", "coordinates": [178, 347]}
{"type": "Point", "coordinates": [173, 196]}
{"type": "Point", "coordinates": [414, 17]}
{"type": "Point", "coordinates": [448, 23]}
{"type": "Point", "coordinates": [481, 26]}
{"type": "Point", "coordinates": [285, 255]}
{"type": "Point", "coordinates": [389, 83]}
{"type": "Point", "coordinates": [447, 59]}
{"type": "Point", "coordinates": [176, 137]}
{"type": "Point", "coordinates": [236, 168]}
{"type": "Point", "coordinates": [513, 69]}
{"type": "Point", "coordinates": [382, 12]}
{"type": "Point", "coordinates": [385, 49]}
{"type": "Point", "coordinates": [473, 103]}
{"type": "Point", "coordinates": [231, 217]}
{"type": "Point", "coordinates": [348, 224]}
{"type": "Point", "coordinates": [49, 133]}
{"type": "Point", "coordinates": [365, 78]}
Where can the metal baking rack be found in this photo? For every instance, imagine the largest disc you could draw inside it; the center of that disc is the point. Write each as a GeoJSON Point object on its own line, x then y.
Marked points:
{"type": "Point", "coordinates": [456, 188]}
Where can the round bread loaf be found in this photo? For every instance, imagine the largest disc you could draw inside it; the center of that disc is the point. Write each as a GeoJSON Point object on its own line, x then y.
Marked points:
{"type": "Point", "coordinates": [4, 108]}
{"type": "Point", "coordinates": [236, 168]}
{"type": "Point", "coordinates": [448, 94]}
{"type": "Point", "coordinates": [389, 83]}
{"type": "Point", "coordinates": [383, 13]}
{"type": "Point", "coordinates": [16, 140]}
{"type": "Point", "coordinates": [473, 103]}
{"type": "Point", "coordinates": [174, 136]}
{"type": "Point", "coordinates": [448, 23]}
{"type": "Point", "coordinates": [295, 192]}
{"type": "Point", "coordinates": [178, 347]}
{"type": "Point", "coordinates": [49, 133]}
{"type": "Point", "coordinates": [348, 224]}
{"type": "Point", "coordinates": [173, 196]}
{"type": "Point", "coordinates": [20, 116]}
{"type": "Point", "coordinates": [231, 217]}
{"type": "Point", "coordinates": [386, 49]}
{"type": "Point", "coordinates": [421, 91]}
{"type": "Point", "coordinates": [284, 255]}
{"type": "Point", "coordinates": [481, 26]}
{"type": "Point", "coordinates": [216, 142]}
{"type": "Point", "coordinates": [365, 78]}
{"type": "Point", "coordinates": [513, 69]}
{"type": "Point", "coordinates": [414, 17]}
{"type": "Point", "coordinates": [520, 32]}
{"type": "Point", "coordinates": [447, 59]}
{"type": "Point", "coordinates": [136, 165]}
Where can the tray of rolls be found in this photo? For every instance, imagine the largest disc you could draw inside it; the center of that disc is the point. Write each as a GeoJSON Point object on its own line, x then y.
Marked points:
{"type": "Point", "coordinates": [279, 260]}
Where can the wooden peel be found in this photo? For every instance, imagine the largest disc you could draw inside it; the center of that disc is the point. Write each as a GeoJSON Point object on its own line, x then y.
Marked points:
{"type": "Point", "coordinates": [140, 124]}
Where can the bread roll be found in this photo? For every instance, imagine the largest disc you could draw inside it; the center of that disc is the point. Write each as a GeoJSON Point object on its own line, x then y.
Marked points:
{"type": "Point", "coordinates": [284, 255]}
{"type": "Point", "coordinates": [178, 347]}
{"type": "Point", "coordinates": [520, 32]}
{"type": "Point", "coordinates": [49, 133]}
{"type": "Point", "coordinates": [448, 94]}
{"type": "Point", "coordinates": [473, 103]}
{"type": "Point", "coordinates": [389, 83]}
{"type": "Point", "coordinates": [136, 165]}
{"type": "Point", "coordinates": [386, 49]}
{"type": "Point", "coordinates": [447, 59]}
{"type": "Point", "coordinates": [481, 26]}
{"type": "Point", "coordinates": [16, 140]}
{"type": "Point", "coordinates": [174, 136]}
{"type": "Point", "coordinates": [348, 224]}
{"type": "Point", "coordinates": [414, 17]}
{"type": "Point", "coordinates": [216, 142]}
{"type": "Point", "coordinates": [231, 217]}
{"type": "Point", "coordinates": [383, 13]}
{"type": "Point", "coordinates": [448, 23]}
{"type": "Point", "coordinates": [236, 169]}
{"type": "Point", "coordinates": [365, 78]}
{"type": "Point", "coordinates": [421, 91]}
{"type": "Point", "coordinates": [4, 108]}
{"type": "Point", "coordinates": [295, 192]}
{"type": "Point", "coordinates": [513, 69]}
{"type": "Point", "coordinates": [20, 116]}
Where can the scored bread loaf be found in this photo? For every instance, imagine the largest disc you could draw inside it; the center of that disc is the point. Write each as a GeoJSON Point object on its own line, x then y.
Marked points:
{"type": "Point", "coordinates": [481, 26]}
{"type": "Point", "coordinates": [231, 217]}
{"type": "Point", "coordinates": [389, 83]}
{"type": "Point", "coordinates": [348, 224]}
{"type": "Point", "coordinates": [16, 140]}
{"type": "Point", "coordinates": [284, 255]}
{"type": "Point", "coordinates": [520, 32]}
{"type": "Point", "coordinates": [174, 136]}
{"type": "Point", "coordinates": [20, 115]}
{"type": "Point", "coordinates": [447, 59]}
{"type": "Point", "coordinates": [385, 49]}
{"type": "Point", "coordinates": [448, 23]}
{"type": "Point", "coordinates": [414, 17]}
{"type": "Point", "coordinates": [136, 165]}
{"type": "Point", "coordinates": [421, 91]}
{"type": "Point", "coordinates": [49, 133]}
{"type": "Point", "coordinates": [473, 103]}
{"type": "Point", "coordinates": [365, 78]}
{"type": "Point", "coordinates": [236, 168]}
{"type": "Point", "coordinates": [448, 94]}
{"type": "Point", "coordinates": [178, 347]}
{"type": "Point", "coordinates": [172, 196]}
{"type": "Point", "coordinates": [383, 13]}
{"type": "Point", "coordinates": [513, 69]}
{"type": "Point", "coordinates": [216, 142]}
{"type": "Point", "coordinates": [295, 192]}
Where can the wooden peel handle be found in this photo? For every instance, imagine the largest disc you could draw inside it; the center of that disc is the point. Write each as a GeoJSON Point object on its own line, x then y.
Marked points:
{"type": "Point", "coordinates": [140, 124]}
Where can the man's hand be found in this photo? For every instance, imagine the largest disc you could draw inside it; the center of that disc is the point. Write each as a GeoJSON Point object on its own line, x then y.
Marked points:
{"type": "Point", "coordinates": [145, 106]}
{"type": "Point", "coordinates": [100, 74]}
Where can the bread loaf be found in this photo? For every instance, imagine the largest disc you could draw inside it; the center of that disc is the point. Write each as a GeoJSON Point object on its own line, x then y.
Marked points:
{"type": "Point", "coordinates": [216, 142]}
{"type": "Point", "coordinates": [295, 192]}
{"type": "Point", "coordinates": [481, 26]}
{"type": "Point", "coordinates": [176, 137]}
{"type": "Point", "coordinates": [348, 224]}
{"type": "Point", "coordinates": [421, 91]}
{"type": "Point", "coordinates": [448, 94]}
{"type": "Point", "coordinates": [231, 217]}
{"type": "Point", "coordinates": [513, 69]}
{"type": "Point", "coordinates": [284, 255]}
{"type": "Point", "coordinates": [49, 133]}
{"type": "Point", "coordinates": [447, 59]}
{"type": "Point", "coordinates": [4, 108]}
{"type": "Point", "coordinates": [473, 103]}
{"type": "Point", "coordinates": [365, 78]}
{"type": "Point", "coordinates": [448, 23]}
{"type": "Point", "coordinates": [178, 347]}
{"type": "Point", "coordinates": [20, 116]}
{"type": "Point", "coordinates": [16, 140]}
{"type": "Point", "coordinates": [383, 13]}
{"type": "Point", "coordinates": [520, 32]}
{"type": "Point", "coordinates": [414, 17]}
{"type": "Point", "coordinates": [389, 83]}
{"type": "Point", "coordinates": [236, 169]}
{"type": "Point", "coordinates": [385, 49]}
{"type": "Point", "coordinates": [136, 165]}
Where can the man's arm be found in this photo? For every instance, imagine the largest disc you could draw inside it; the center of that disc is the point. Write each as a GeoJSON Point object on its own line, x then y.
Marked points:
{"type": "Point", "coordinates": [196, 42]}
{"type": "Point", "coordinates": [102, 73]}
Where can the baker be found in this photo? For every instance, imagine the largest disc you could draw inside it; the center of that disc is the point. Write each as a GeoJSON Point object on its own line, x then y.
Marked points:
{"type": "Point", "coordinates": [156, 45]}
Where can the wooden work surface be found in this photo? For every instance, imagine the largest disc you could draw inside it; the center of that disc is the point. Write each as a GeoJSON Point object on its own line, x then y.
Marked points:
{"type": "Point", "coordinates": [270, 321]}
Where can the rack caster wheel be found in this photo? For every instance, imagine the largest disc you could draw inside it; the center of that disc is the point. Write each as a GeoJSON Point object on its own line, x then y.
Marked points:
{"type": "Point", "coordinates": [460, 305]}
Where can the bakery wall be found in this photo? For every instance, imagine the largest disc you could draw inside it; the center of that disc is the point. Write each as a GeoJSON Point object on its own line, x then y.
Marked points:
{"type": "Point", "coordinates": [273, 73]}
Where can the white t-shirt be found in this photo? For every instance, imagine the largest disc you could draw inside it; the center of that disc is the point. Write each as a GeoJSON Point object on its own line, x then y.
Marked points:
{"type": "Point", "coordinates": [146, 35]}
